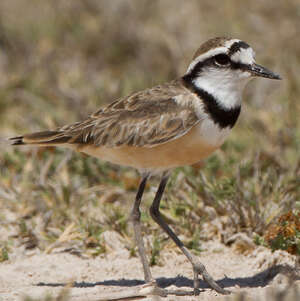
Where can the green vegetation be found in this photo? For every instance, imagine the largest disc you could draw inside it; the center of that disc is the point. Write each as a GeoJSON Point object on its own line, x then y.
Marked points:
{"type": "Point", "coordinates": [285, 233]}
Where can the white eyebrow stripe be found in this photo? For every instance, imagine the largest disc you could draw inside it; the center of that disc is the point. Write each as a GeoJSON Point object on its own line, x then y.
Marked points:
{"type": "Point", "coordinates": [244, 56]}
{"type": "Point", "coordinates": [205, 56]}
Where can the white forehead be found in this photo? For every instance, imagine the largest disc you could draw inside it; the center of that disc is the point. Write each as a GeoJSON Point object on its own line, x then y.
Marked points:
{"type": "Point", "coordinates": [244, 55]}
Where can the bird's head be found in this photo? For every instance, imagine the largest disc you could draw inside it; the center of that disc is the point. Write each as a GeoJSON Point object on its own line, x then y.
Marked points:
{"type": "Point", "coordinates": [222, 67]}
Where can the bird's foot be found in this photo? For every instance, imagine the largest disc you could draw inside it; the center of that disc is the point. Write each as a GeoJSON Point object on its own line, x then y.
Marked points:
{"type": "Point", "coordinates": [199, 269]}
{"type": "Point", "coordinates": [145, 290]}
{"type": "Point", "coordinates": [152, 288]}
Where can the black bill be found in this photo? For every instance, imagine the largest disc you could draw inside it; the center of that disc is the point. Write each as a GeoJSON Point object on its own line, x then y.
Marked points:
{"type": "Point", "coordinates": [258, 70]}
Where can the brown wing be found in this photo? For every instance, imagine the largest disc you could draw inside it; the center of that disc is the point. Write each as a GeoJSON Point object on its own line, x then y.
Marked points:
{"type": "Point", "coordinates": [145, 118]}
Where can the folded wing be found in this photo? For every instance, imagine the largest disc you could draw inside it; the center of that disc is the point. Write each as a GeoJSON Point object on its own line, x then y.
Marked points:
{"type": "Point", "coordinates": [144, 119]}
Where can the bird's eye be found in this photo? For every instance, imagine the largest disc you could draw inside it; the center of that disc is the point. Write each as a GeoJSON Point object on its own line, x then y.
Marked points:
{"type": "Point", "coordinates": [222, 59]}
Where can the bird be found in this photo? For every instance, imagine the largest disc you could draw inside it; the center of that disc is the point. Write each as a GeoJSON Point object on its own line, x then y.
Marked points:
{"type": "Point", "coordinates": [173, 124]}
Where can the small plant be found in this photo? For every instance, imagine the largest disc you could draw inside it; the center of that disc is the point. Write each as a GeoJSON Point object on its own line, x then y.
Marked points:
{"type": "Point", "coordinates": [3, 254]}
{"type": "Point", "coordinates": [284, 233]}
{"type": "Point", "coordinates": [154, 259]}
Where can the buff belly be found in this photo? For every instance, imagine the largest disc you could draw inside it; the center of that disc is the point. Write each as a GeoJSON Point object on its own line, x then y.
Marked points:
{"type": "Point", "coordinates": [197, 144]}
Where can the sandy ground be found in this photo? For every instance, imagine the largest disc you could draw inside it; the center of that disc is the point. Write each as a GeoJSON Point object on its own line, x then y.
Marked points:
{"type": "Point", "coordinates": [39, 274]}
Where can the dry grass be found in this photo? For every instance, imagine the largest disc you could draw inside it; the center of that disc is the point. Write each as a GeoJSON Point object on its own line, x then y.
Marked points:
{"type": "Point", "coordinates": [61, 60]}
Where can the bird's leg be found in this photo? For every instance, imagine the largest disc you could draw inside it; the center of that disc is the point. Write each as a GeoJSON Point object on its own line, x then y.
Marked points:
{"type": "Point", "coordinates": [198, 267]}
{"type": "Point", "coordinates": [136, 220]}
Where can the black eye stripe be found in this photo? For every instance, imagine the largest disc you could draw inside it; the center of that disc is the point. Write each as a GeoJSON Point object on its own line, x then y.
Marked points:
{"type": "Point", "coordinates": [240, 66]}
{"type": "Point", "coordinates": [222, 59]}
{"type": "Point", "coordinates": [198, 68]}
{"type": "Point", "coordinates": [210, 62]}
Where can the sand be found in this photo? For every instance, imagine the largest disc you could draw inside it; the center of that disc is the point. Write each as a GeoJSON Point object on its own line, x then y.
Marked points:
{"type": "Point", "coordinates": [36, 274]}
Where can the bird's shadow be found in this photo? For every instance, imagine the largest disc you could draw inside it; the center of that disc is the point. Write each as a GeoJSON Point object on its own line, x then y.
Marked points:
{"type": "Point", "coordinates": [260, 279]}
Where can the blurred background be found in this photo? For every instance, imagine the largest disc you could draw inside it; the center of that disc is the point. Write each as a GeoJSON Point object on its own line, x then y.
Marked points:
{"type": "Point", "coordinates": [61, 60]}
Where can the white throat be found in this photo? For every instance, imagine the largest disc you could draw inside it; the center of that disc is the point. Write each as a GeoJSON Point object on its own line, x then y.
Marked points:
{"type": "Point", "coordinates": [225, 86]}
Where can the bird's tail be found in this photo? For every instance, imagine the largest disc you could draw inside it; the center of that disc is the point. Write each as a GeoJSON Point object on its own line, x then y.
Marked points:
{"type": "Point", "coordinates": [45, 138]}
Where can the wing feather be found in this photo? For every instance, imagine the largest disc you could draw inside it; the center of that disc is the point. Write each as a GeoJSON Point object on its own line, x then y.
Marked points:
{"type": "Point", "coordinates": [144, 119]}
